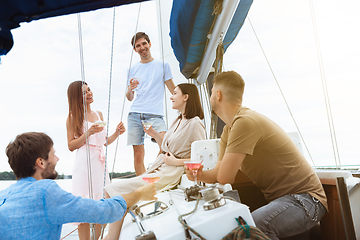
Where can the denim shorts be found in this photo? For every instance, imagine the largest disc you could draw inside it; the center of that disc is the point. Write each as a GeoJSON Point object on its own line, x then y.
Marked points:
{"type": "Point", "coordinates": [135, 128]}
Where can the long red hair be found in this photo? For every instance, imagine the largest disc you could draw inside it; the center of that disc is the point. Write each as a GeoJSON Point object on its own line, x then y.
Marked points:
{"type": "Point", "coordinates": [76, 106]}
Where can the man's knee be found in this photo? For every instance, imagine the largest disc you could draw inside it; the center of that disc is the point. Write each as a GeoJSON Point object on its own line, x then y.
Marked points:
{"type": "Point", "coordinates": [139, 149]}
{"type": "Point", "coordinates": [260, 221]}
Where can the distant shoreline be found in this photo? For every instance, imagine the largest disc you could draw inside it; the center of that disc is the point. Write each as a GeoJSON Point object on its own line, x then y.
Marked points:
{"type": "Point", "coordinates": [4, 176]}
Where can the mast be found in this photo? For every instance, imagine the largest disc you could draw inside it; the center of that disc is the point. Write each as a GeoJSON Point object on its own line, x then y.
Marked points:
{"type": "Point", "coordinates": [215, 37]}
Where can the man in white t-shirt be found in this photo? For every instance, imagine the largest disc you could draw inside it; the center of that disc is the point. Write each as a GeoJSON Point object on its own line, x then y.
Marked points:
{"type": "Point", "coordinates": [148, 79]}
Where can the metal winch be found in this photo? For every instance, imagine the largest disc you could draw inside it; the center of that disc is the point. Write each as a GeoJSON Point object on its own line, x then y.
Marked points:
{"type": "Point", "coordinates": [212, 198]}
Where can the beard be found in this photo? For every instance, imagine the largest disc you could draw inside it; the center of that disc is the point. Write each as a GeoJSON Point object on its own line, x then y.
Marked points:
{"type": "Point", "coordinates": [49, 173]}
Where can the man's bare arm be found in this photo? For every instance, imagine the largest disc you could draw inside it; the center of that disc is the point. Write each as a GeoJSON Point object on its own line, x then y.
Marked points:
{"type": "Point", "coordinates": [209, 176]}
{"type": "Point", "coordinates": [170, 85]}
{"type": "Point", "coordinates": [229, 167]}
{"type": "Point", "coordinates": [130, 95]}
{"type": "Point", "coordinates": [146, 192]}
{"type": "Point", "coordinates": [130, 90]}
{"type": "Point", "coordinates": [224, 172]}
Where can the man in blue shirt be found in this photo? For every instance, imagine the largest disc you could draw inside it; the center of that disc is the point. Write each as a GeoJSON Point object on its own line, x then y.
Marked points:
{"type": "Point", "coordinates": [35, 207]}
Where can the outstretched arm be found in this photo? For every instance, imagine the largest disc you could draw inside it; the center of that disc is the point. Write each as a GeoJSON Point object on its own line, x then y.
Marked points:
{"type": "Point", "coordinates": [120, 129]}
{"type": "Point", "coordinates": [63, 207]}
{"type": "Point", "coordinates": [146, 192]}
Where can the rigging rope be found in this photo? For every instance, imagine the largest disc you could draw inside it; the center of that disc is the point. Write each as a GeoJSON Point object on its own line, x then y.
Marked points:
{"type": "Point", "coordinates": [85, 117]}
{"type": "Point", "coordinates": [69, 233]}
{"type": "Point", "coordinates": [207, 97]}
{"type": "Point", "coordinates": [108, 116]}
{"type": "Point", "coordinates": [282, 94]}
{"type": "Point", "coordinates": [85, 107]}
{"type": "Point", "coordinates": [202, 106]}
{"type": "Point", "coordinates": [163, 63]}
{"type": "Point", "coordinates": [123, 105]}
{"type": "Point", "coordinates": [184, 223]}
{"type": "Point", "coordinates": [217, 10]}
{"type": "Point", "coordinates": [218, 69]}
{"type": "Point", "coordinates": [325, 90]}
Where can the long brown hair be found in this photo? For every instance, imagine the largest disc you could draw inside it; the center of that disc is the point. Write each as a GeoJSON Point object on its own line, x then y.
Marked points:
{"type": "Point", "coordinates": [76, 105]}
{"type": "Point", "coordinates": [193, 104]}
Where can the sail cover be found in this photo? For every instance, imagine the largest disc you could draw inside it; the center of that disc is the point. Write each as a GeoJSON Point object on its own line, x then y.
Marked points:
{"type": "Point", "coordinates": [190, 23]}
{"type": "Point", "coordinates": [13, 12]}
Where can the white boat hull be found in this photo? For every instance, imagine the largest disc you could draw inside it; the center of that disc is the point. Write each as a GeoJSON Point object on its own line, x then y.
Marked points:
{"type": "Point", "coordinates": [212, 224]}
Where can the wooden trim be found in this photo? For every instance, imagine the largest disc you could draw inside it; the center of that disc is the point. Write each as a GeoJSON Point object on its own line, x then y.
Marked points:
{"type": "Point", "coordinates": [332, 225]}
{"type": "Point", "coordinates": [345, 209]}
{"type": "Point", "coordinates": [325, 181]}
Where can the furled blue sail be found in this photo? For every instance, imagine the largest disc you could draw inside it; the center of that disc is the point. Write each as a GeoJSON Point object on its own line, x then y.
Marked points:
{"type": "Point", "coordinates": [190, 23]}
{"type": "Point", "coordinates": [13, 12]}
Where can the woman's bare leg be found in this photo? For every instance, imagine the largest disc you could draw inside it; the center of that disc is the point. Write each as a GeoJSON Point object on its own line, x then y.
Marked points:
{"type": "Point", "coordinates": [98, 230]}
{"type": "Point", "coordinates": [84, 231]}
{"type": "Point", "coordinates": [115, 227]}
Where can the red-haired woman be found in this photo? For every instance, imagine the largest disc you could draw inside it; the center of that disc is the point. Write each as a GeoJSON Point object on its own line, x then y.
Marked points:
{"type": "Point", "coordinates": [88, 137]}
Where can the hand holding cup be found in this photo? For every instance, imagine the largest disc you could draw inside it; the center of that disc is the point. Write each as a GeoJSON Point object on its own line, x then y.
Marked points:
{"type": "Point", "coordinates": [134, 83]}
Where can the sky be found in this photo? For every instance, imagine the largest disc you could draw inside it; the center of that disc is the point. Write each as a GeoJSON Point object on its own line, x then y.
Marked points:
{"type": "Point", "coordinates": [45, 59]}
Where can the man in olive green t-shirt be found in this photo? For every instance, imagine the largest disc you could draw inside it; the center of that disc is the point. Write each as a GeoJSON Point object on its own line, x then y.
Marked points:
{"type": "Point", "coordinates": [258, 147]}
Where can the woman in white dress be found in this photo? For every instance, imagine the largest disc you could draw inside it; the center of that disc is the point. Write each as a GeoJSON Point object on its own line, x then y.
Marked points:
{"type": "Point", "coordinates": [175, 147]}
{"type": "Point", "coordinates": [88, 136]}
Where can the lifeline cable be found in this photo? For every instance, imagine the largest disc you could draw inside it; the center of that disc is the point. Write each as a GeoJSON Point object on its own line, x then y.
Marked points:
{"type": "Point", "coordinates": [325, 91]}
{"type": "Point", "coordinates": [281, 92]}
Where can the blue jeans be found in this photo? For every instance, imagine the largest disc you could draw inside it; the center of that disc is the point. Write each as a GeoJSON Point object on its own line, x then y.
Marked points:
{"type": "Point", "coordinates": [135, 128]}
{"type": "Point", "coordinates": [288, 215]}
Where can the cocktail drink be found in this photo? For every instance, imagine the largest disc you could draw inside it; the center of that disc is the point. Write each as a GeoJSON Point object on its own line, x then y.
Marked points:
{"type": "Point", "coordinates": [194, 165]}
{"type": "Point", "coordinates": [135, 80]}
{"type": "Point", "coordinates": [150, 179]}
{"type": "Point", "coordinates": [100, 123]}
{"type": "Point", "coordinates": [147, 124]}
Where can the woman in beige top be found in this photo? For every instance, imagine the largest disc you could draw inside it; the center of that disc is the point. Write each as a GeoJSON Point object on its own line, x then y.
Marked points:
{"type": "Point", "coordinates": [175, 147]}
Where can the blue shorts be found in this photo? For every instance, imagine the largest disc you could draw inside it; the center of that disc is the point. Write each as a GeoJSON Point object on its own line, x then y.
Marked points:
{"type": "Point", "coordinates": [136, 130]}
